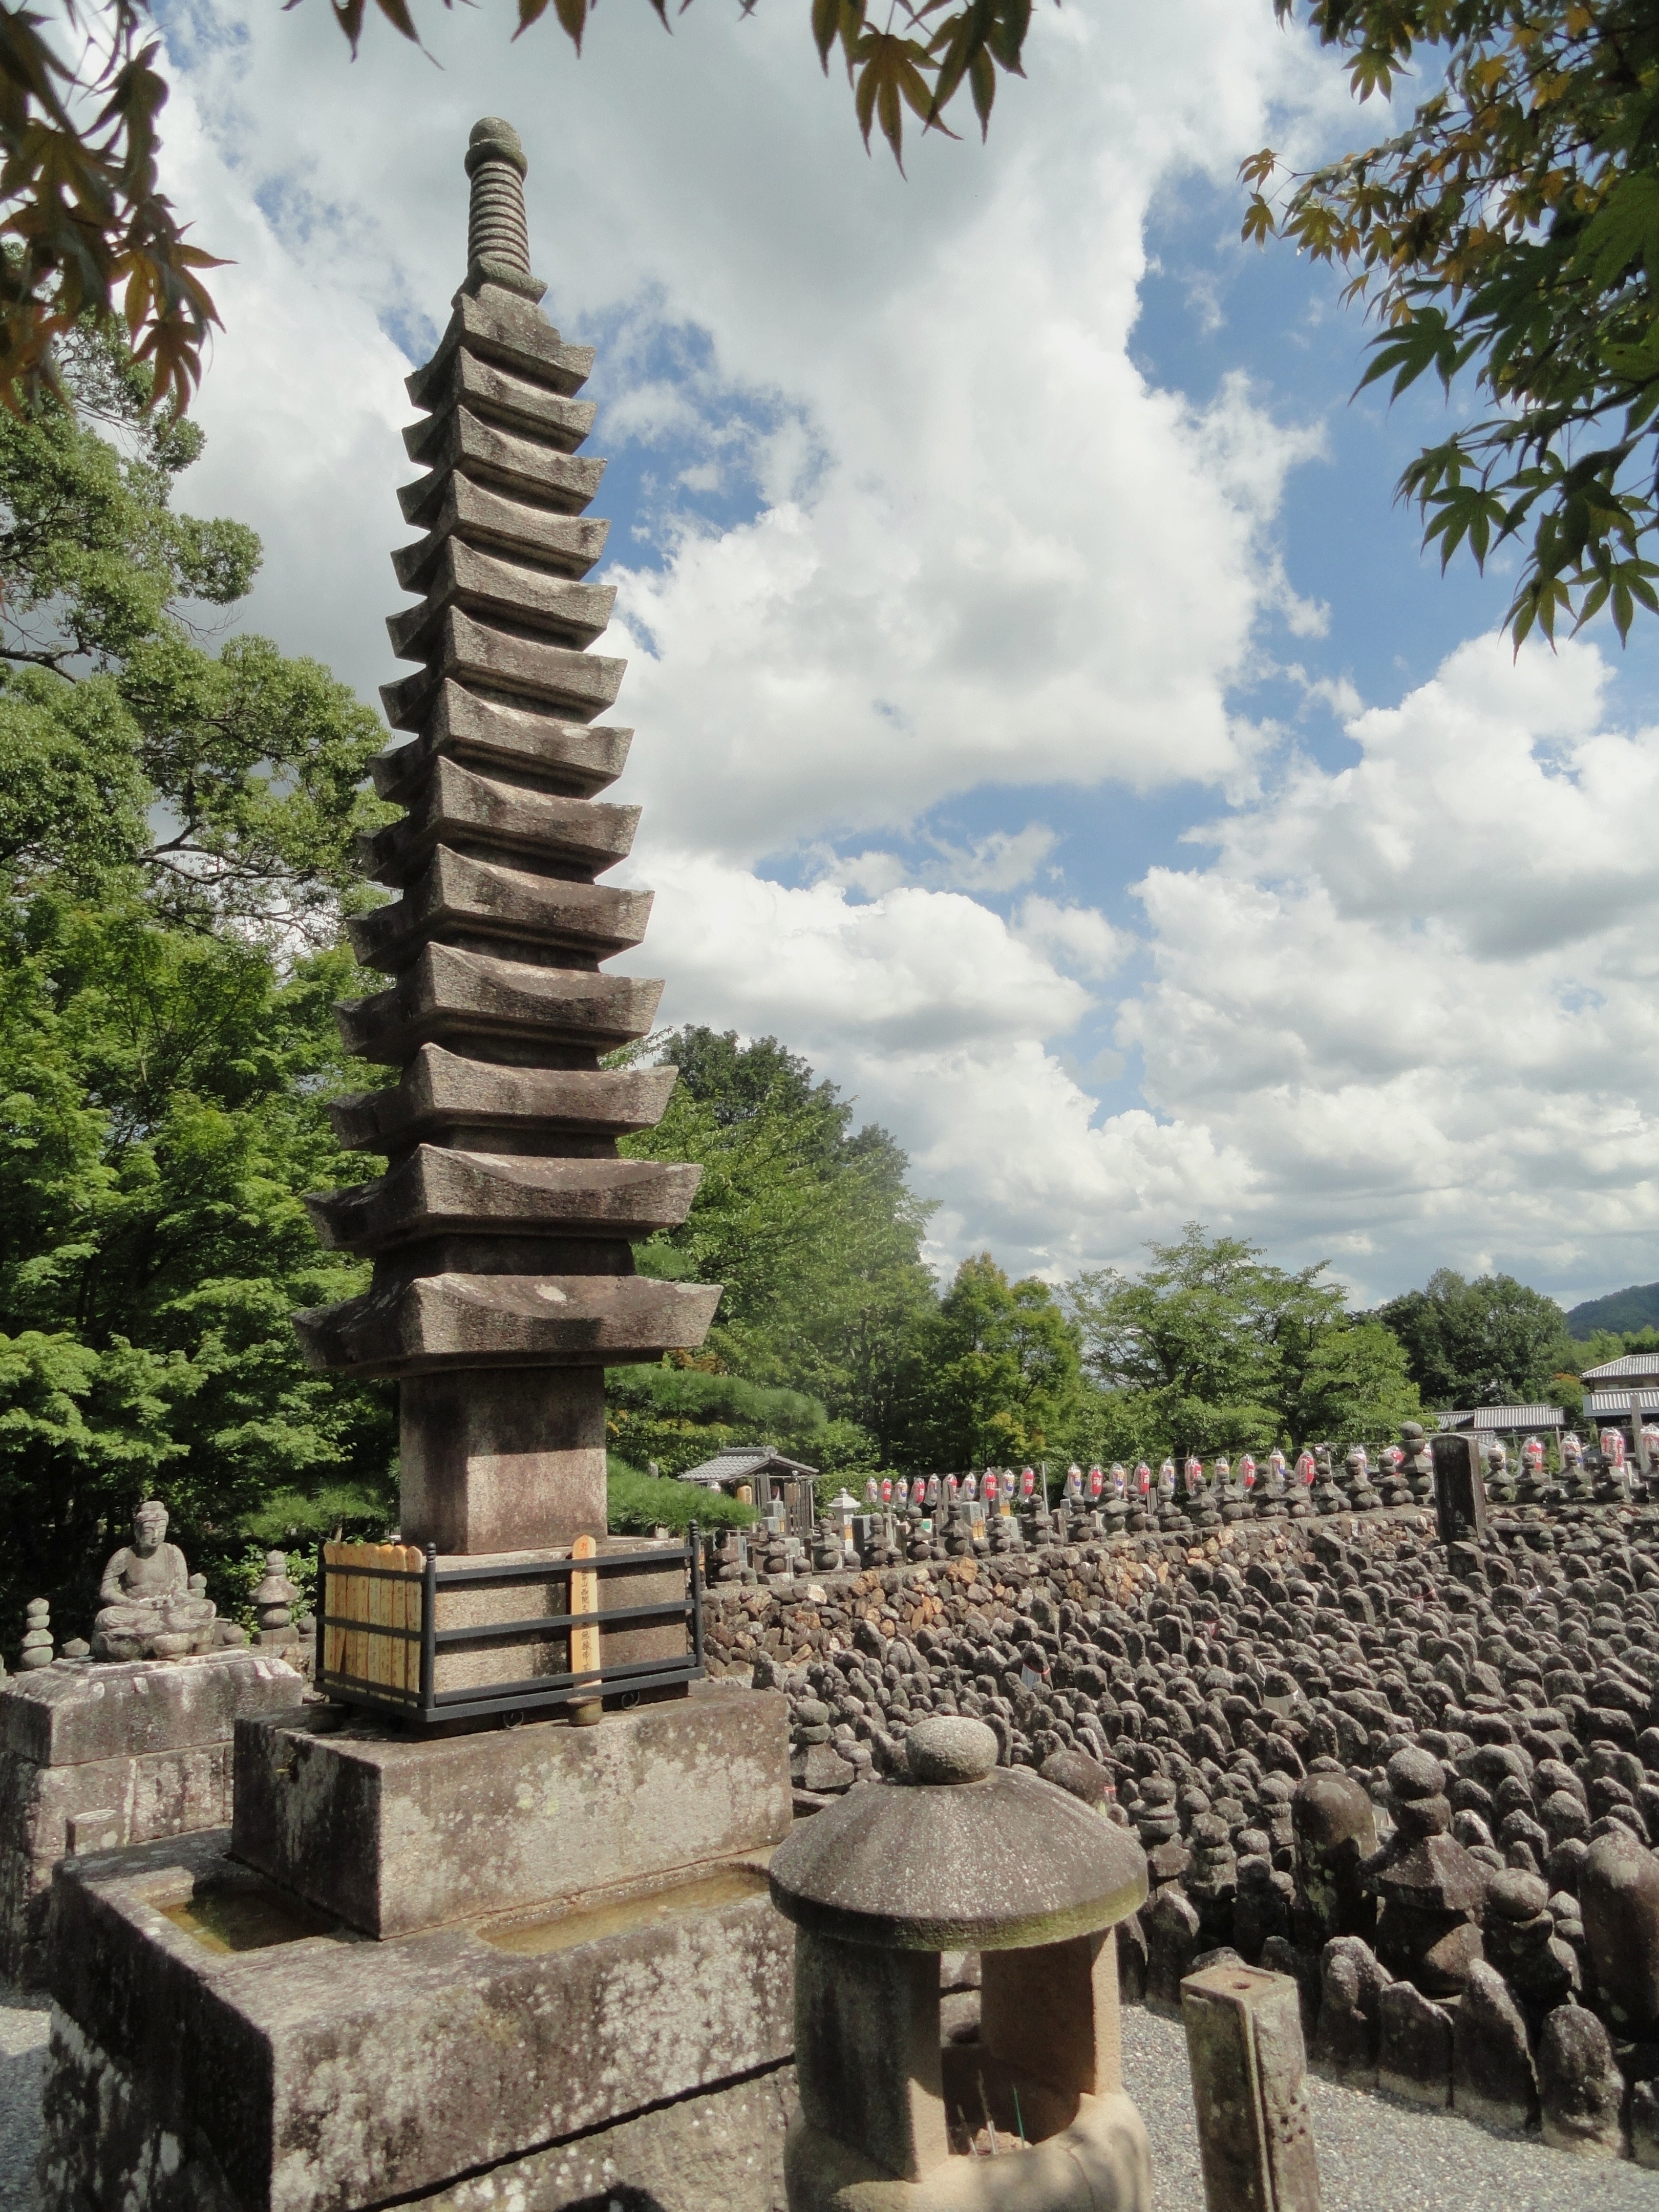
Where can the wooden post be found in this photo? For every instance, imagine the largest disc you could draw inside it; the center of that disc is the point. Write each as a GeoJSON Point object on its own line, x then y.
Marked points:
{"type": "Point", "coordinates": [586, 1710]}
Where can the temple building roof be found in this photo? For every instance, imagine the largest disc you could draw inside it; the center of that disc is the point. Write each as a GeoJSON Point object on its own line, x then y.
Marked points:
{"type": "Point", "coordinates": [742, 1462]}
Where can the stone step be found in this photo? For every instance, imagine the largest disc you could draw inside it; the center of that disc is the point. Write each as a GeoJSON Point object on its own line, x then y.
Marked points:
{"type": "Point", "coordinates": [436, 1192]}
{"type": "Point", "coordinates": [508, 330]}
{"type": "Point", "coordinates": [580, 684]}
{"type": "Point", "coordinates": [561, 481]}
{"type": "Point", "coordinates": [440, 1094]}
{"type": "Point", "coordinates": [449, 995]}
{"type": "Point", "coordinates": [525, 599]}
{"type": "Point", "coordinates": [519, 741]}
{"type": "Point", "coordinates": [515, 400]}
{"type": "Point", "coordinates": [565, 545]}
{"type": "Point", "coordinates": [456, 897]}
{"type": "Point", "coordinates": [456, 805]}
{"type": "Point", "coordinates": [435, 1322]}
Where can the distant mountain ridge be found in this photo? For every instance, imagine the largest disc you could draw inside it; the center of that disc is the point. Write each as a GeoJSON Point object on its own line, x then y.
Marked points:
{"type": "Point", "coordinates": [1638, 1307]}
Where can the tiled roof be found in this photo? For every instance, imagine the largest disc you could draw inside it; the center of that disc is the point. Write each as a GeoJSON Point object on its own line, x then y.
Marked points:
{"type": "Point", "coordinates": [1505, 1417]}
{"type": "Point", "coordinates": [1633, 1363]}
{"type": "Point", "coordinates": [733, 1461]}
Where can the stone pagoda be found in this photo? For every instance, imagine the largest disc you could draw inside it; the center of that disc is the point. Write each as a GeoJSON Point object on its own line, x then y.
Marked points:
{"type": "Point", "coordinates": [495, 1913]}
{"type": "Point", "coordinates": [502, 1232]}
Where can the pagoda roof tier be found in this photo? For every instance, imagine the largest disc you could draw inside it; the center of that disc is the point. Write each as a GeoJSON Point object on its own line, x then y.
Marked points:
{"type": "Point", "coordinates": [433, 1323]}
{"type": "Point", "coordinates": [449, 995]}
{"type": "Point", "coordinates": [574, 756]}
{"type": "Point", "coordinates": [506, 590]}
{"type": "Point", "coordinates": [580, 684]}
{"type": "Point", "coordinates": [498, 395]}
{"type": "Point", "coordinates": [508, 329]}
{"type": "Point", "coordinates": [435, 1192]}
{"type": "Point", "coordinates": [563, 481]}
{"type": "Point", "coordinates": [568, 544]}
{"type": "Point", "coordinates": [456, 894]}
{"type": "Point", "coordinates": [456, 805]}
{"type": "Point", "coordinates": [440, 1092]}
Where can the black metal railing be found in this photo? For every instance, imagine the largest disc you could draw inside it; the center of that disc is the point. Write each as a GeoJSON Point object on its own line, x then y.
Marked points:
{"type": "Point", "coordinates": [427, 1705]}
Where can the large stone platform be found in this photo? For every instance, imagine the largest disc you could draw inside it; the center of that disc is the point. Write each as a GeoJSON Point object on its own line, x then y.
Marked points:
{"type": "Point", "coordinates": [93, 1756]}
{"type": "Point", "coordinates": [231, 2051]}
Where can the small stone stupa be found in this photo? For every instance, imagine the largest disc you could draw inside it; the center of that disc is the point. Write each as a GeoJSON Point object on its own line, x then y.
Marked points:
{"type": "Point", "coordinates": [573, 1984]}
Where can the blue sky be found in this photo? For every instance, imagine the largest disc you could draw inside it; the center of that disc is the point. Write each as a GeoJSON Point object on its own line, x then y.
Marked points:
{"type": "Point", "coordinates": [1046, 719]}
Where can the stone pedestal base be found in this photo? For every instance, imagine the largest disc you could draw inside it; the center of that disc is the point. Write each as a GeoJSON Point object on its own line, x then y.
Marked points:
{"type": "Point", "coordinates": [1103, 2161]}
{"type": "Point", "coordinates": [391, 1833]}
{"type": "Point", "coordinates": [94, 1757]}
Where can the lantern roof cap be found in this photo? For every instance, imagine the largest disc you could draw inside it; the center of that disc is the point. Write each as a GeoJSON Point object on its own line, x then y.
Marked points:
{"type": "Point", "coordinates": [958, 1854]}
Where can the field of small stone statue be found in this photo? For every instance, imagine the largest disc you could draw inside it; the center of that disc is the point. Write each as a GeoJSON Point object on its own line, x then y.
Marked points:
{"type": "Point", "coordinates": [1423, 1782]}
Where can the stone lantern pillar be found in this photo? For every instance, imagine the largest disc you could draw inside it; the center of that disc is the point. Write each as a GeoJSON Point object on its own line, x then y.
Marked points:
{"type": "Point", "coordinates": [960, 1854]}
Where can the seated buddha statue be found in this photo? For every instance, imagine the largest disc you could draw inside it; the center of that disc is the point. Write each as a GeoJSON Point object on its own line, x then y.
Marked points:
{"type": "Point", "coordinates": [147, 1609]}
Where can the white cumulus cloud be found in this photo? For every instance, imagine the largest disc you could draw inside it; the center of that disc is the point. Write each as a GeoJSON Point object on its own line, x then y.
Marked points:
{"type": "Point", "coordinates": [1418, 993]}
{"type": "Point", "coordinates": [1401, 1013]}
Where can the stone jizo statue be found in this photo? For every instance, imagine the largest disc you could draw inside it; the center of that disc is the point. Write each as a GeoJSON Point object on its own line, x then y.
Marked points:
{"type": "Point", "coordinates": [149, 1609]}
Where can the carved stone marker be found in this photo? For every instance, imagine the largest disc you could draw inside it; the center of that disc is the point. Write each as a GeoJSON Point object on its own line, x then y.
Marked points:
{"type": "Point", "coordinates": [1459, 1489]}
{"type": "Point", "coordinates": [1249, 2086]}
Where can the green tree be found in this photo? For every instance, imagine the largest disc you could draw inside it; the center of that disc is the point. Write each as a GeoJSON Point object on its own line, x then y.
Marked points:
{"type": "Point", "coordinates": [1488, 1342]}
{"type": "Point", "coordinates": [636, 1504]}
{"type": "Point", "coordinates": [1211, 1341]}
{"type": "Point", "coordinates": [217, 787]}
{"type": "Point", "coordinates": [1511, 232]}
{"type": "Point", "coordinates": [1355, 1386]}
{"type": "Point", "coordinates": [1212, 1347]}
{"type": "Point", "coordinates": [997, 1374]}
{"type": "Point", "coordinates": [808, 1223]}
{"type": "Point", "coordinates": [1604, 1344]}
{"type": "Point", "coordinates": [165, 1039]}
{"type": "Point", "coordinates": [677, 1417]}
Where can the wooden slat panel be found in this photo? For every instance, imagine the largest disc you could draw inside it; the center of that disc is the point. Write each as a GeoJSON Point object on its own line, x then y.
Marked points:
{"type": "Point", "coordinates": [408, 1676]}
{"type": "Point", "coordinates": [379, 1615]}
{"type": "Point", "coordinates": [416, 1616]}
{"type": "Point", "coordinates": [342, 1606]}
{"type": "Point", "coordinates": [357, 1656]}
{"type": "Point", "coordinates": [334, 1595]}
{"type": "Point", "coordinates": [584, 1598]}
{"type": "Point", "coordinates": [395, 1613]}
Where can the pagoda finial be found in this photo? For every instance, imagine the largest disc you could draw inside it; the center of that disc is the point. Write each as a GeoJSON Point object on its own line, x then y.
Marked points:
{"type": "Point", "coordinates": [497, 232]}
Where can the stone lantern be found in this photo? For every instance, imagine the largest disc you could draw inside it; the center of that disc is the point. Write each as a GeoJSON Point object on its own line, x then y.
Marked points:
{"type": "Point", "coordinates": [960, 1854]}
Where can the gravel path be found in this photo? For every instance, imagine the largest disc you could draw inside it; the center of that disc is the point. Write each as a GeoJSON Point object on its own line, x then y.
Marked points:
{"type": "Point", "coordinates": [23, 2030]}
{"type": "Point", "coordinates": [1375, 2156]}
